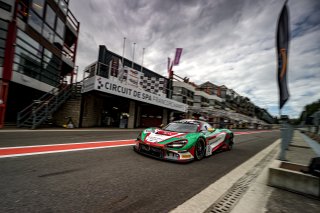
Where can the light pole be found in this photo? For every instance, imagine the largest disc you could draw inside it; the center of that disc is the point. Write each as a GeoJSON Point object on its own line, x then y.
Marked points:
{"type": "Point", "coordinates": [134, 44]}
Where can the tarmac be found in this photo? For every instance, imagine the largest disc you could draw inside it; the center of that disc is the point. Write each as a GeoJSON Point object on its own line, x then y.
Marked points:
{"type": "Point", "coordinates": [245, 189]}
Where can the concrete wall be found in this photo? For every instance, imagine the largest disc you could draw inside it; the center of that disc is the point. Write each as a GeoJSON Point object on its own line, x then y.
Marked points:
{"type": "Point", "coordinates": [132, 112]}
{"type": "Point", "coordinates": [165, 117]}
{"type": "Point", "coordinates": [138, 115]}
{"type": "Point", "coordinates": [71, 108]}
{"type": "Point", "coordinates": [294, 181]}
{"type": "Point", "coordinates": [92, 108]}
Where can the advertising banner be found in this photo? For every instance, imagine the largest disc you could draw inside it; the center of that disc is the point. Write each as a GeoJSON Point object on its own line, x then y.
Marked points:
{"type": "Point", "coordinates": [128, 91]}
{"type": "Point", "coordinates": [133, 77]}
{"type": "Point", "coordinates": [283, 38]}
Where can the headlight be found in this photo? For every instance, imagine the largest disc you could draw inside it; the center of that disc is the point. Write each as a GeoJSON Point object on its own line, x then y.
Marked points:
{"type": "Point", "coordinates": [177, 144]}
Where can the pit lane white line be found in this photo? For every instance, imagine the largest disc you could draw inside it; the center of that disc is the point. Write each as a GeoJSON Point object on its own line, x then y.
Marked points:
{"type": "Point", "coordinates": [62, 144]}
{"type": "Point", "coordinates": [59, 151]}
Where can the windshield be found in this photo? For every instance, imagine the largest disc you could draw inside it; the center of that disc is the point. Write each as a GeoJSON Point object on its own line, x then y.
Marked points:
{"type": "Point", "coordinates": [181, 127]}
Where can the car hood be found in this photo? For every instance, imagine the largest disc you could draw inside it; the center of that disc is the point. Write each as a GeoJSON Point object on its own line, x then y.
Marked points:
{"type": "Point", "coordinates": [160, 136]}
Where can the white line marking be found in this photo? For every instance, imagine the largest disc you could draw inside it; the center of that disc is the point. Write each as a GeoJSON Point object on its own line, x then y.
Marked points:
{"type": "Point", "coordinates": [69, 150]}
{"type": "Point", "coordinates": [62, 144]}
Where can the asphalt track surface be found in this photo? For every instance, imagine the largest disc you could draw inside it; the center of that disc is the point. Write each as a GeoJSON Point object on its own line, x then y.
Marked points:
{"type": "Point", "coordinates": [108, 180]}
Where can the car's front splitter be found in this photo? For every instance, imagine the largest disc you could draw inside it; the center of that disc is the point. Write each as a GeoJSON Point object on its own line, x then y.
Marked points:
{"type": "Point", "coordinates": [164, 154]}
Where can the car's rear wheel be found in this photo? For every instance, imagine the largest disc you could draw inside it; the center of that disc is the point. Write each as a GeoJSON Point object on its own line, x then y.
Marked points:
{"type": "Point", "coordinates": [199, 149]}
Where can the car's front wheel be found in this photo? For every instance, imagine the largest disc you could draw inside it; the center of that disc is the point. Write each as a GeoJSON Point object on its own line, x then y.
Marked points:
{"type": "Point", "coordinates": [199, 149]}
{"type": "Point", "coordinates": [231, 143]}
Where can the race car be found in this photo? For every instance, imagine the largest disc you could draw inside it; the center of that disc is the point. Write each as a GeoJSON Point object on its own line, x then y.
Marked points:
{"type": "Point", "coordinates": [183, 140]}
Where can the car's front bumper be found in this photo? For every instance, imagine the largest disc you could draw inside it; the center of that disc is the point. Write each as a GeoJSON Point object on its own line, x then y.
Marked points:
{"type": "Point", "coordinates": [162, 153]}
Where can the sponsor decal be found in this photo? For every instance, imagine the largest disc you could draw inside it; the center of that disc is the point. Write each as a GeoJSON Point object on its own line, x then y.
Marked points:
{"type": "Point", "coordinates": [186, 156]}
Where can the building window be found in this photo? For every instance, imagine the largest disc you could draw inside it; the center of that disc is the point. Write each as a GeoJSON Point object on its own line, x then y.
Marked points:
{"type": "Point", "coordinates": [50, 68]}
{"type": "Point", "coordinates": [33, 60]}
{"type": "Point", "coordinates": [29, 44]}
{"type": "Point", "coordinates": [50, 17]}
{"type": "Point", "coordinates": [190, 94]}
{"type": "Point", "coordinates": [177, 98]}
{"type": "Point", "coordinates": [60, 28]}
{"type": "Point", "coordinates": [49, 59]}
{"type": "Point", "coordinates": [37, 6]}
{"type": "Point", "coordinates": [3, 37]}
{"type": "Point", "coordinates": [177, 90]}
{"type": "Point", "coordinates": [28, 56]}
{"type": "Point", "coordinates": [184, 99]}
{"type": "Point", "coordinates": [196, 104]}
{"type": "Point", "coordinates": [34, 21]}
{"type": "Point", "coordinates": [63, 6]}
{"type": "Point", "coordinates": [29, 64]}
{"type": "Point", "coordinates": [197, 98]}
{"type": "Point", "coordinates": [184, 91]}
{"type": "Point", "coordinates": [58, 42]}
{"type": "Point", "coordinates": [48, 33]}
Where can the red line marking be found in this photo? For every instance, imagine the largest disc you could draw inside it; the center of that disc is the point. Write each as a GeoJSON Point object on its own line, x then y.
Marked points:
{"type": "Point", "coordinates": [64, 147]}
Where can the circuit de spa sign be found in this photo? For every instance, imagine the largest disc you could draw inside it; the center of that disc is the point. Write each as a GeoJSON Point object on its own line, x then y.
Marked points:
{"type": "Point", "coordinates": [117, 88]}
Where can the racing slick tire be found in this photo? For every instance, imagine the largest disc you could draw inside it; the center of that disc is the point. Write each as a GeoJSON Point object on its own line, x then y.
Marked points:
{"type": "Point", "coordinates": [199, 150]}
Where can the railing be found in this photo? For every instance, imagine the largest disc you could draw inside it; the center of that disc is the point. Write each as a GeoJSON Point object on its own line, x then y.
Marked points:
{"type": "Point", "coordinates": [68, 52]}
{"type": "Point", "coordinates": [26, 112]}
{"type": "Point", "coordinates": [41, 113]}
{"type": "Point", "coordinates": [36, 113]}
{"type": "Point", "coordinates": [72, 20]}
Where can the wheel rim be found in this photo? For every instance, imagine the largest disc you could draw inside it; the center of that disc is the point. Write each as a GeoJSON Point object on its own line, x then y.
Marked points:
{"type": "Point", "coordinates": [199, 150]}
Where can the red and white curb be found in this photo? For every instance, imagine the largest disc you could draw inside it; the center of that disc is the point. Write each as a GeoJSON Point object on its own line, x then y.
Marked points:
{"type": "Point", "coordinates": [7, 152]}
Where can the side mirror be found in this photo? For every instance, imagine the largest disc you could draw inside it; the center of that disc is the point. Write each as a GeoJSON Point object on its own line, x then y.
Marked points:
{"type": "Point", "coordinates": [211, 129]}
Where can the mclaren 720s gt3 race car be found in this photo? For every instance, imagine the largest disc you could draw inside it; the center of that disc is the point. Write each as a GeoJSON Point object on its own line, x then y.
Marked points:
{"type": "Point", "coordinates": [183, 140]}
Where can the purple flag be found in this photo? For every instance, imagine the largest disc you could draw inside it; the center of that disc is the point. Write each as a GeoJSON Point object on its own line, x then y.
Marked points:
{"type": "Point", "coordinates": [283, 38]}
{"type": "Point", "coordinates": [177, 56]}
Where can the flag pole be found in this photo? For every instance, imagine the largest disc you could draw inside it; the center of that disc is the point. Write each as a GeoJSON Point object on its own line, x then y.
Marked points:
{"type": "Point", "coordinates": [124, 45]}
{"type": "Point", "coordinates": [134, 44]}
{"type": "Point", "coordinates": [142, 59]}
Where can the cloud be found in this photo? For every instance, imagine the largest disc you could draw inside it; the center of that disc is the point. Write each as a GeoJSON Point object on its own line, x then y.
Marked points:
{"type": "Point", "coordinates": [228, 42]}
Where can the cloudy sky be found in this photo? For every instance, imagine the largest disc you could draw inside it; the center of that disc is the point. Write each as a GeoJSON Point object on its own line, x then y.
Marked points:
{"type": "Point", "coordinates": [227, 42]}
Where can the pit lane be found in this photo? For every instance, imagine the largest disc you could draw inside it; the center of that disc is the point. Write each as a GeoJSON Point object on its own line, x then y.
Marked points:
{"type": "Point", "coordinates": [109, 180]}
